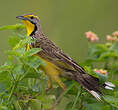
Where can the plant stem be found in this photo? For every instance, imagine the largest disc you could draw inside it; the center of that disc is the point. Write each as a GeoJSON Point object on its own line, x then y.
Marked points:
{"type": "Point", "coordinates": [78, 94]}
{"type": "Point", "coordinates": [12, 91]}
{"type": "Point", "coordinates": [62, 94]}
{"type": "Point", "coordinates": [12, 75]}
{"type": "Point", "coordinates": [81, 106]}
{"type": "Point", "coordinates": [14, 87]}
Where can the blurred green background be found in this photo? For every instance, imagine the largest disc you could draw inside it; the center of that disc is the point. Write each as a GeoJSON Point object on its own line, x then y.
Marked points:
{"type": "Point", "coordinates": [63, 21]}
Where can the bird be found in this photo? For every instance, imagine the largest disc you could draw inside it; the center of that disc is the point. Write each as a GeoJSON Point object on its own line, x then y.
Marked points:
{"type": "Point", "coordinates": [59, 63]}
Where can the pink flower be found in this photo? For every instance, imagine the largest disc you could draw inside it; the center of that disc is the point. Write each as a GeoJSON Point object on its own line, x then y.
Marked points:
{"type": "Point", "coordinates": [101, 71]}
{"type": "Point", "coordinates": [115, 33]}
{"type": "Point", "coordinates": [110, 38]}
{"type": "Point", "coordinates": [91, 36]}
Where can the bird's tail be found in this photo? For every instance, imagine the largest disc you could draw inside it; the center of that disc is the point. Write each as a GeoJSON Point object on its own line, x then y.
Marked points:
{"type": "Point", "coordinates": [92, 84]}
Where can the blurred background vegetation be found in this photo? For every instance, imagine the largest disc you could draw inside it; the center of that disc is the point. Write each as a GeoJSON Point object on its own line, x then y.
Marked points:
{"type": "Point", "coordinates": [63, 21]}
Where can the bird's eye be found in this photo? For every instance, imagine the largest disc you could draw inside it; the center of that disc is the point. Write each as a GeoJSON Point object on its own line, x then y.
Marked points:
{"type": "Point", "coordinates": [32, 17]}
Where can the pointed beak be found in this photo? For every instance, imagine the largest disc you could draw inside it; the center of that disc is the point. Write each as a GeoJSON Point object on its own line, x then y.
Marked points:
{"type": "Point", "coordinates": [21, 17]}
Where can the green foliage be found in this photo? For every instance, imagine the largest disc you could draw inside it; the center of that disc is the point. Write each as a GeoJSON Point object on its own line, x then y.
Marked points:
{"type": "Point", "coordinates": [23, 84]}
{"type": "Point", "coordinates": [12, 27]}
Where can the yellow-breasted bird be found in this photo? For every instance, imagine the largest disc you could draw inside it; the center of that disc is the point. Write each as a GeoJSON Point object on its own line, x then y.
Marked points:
{"type": "Point", "coordinates": [57, 62]}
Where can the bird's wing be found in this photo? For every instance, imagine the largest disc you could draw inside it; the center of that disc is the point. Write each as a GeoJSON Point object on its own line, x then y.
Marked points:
{"type": "Point", "coordinates": [55, 55]}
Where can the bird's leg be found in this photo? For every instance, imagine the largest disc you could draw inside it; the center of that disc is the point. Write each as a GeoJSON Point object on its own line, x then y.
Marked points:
{"type": "Point", "coordinates": [60, 96]}
{"type": "Point", "coordinates": [28, 47]}
{"type": "Point", "coordinates": [61, 84]}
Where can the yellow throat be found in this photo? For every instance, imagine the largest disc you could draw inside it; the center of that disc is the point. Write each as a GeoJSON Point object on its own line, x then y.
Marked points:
{"type": "Point", "coordinates": [30, 27]}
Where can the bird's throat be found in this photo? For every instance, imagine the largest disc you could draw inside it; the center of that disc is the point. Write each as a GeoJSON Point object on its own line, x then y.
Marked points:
{"type": "Point", "coordinates": [30, 27]}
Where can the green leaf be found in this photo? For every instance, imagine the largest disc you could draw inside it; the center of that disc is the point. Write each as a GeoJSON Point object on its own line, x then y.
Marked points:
{"type": "Point", "coordinates": [12, 27]}
{"type": "Point", "coordinates": [23, 43]}
{"type": "Point", "coordinates": [69, 106]}
{"type": "Point", "coordinates": [76, 99]}
{"type": "Point", "coordinates": [47, 101]}
{"type": "Point", "coordinates": [90, 71]}
{"type": "Point", "coordinates": [97, 49]}
{"type": "Point", "coordinates": [18, 70]}
{"type": "Point", "coordinates": [5, 81]}
{"type": "Point", "coordinates": [34, 61]}
{"type": "Point", "coordinates": [111, 100]}
{"type": "Point", "coordinates": [3, 107]}
{"type": "Point", "coordinates": [4, 68]}
{"type": "Point", "coordinates": [31, 73]}
{"type": "Point", "coordinates": [13, 40]}
{"type": "Point", "coordinates": [35, 104]}
{"type": "Point", "coordinates": [17, 105]}
{"type": "Point", "coordinates": [103, 78]}
{"type": "Point", "coordinates": [93, 106]}
{"type": "Point", "coordinates": [108, 55]}
{"type": "Point", "coordinates": [2, 87]}
{"type": "Point", "coordinates": [114, 47]}
{"type": "Point", "coordinates": [19, 52]}
{"type": "Point", "coordinates": [32, 51]}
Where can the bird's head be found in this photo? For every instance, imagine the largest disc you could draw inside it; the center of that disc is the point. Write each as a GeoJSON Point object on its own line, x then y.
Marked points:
{"type": "Point", "coordinates": [31, 21]}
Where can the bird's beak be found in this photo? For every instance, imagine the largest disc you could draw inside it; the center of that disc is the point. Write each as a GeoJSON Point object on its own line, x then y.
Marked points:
{"type": "Point", "coordinates": [21, 17]}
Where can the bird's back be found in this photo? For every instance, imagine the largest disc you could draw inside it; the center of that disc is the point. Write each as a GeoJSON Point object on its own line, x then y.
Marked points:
{"type": "Point", "coordinates": [52, 53]}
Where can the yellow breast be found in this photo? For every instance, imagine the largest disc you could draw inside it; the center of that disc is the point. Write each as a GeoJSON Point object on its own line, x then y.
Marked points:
{"type": "Point", "coordinates": [49, 68]}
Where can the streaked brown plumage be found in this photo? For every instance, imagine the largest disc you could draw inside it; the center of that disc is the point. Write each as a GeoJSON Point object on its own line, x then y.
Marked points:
{"type": "Point", "coordinates": [58, 63]}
